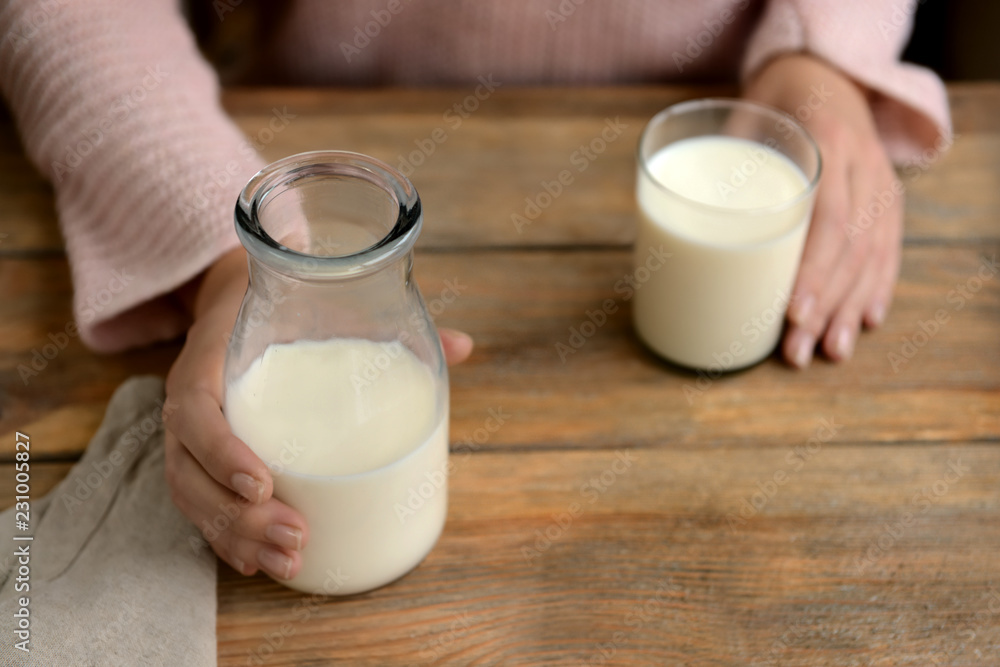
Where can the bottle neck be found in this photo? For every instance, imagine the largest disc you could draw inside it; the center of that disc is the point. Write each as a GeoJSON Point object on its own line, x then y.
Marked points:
{"type": "Point", "coordinates": [327, 216]}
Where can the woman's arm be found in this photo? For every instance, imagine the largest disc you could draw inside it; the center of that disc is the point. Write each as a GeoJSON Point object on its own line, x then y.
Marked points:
{"type": "Point", "coordinates": [833, 64]}
{"type": "Point", "coordinates": [118, 109]}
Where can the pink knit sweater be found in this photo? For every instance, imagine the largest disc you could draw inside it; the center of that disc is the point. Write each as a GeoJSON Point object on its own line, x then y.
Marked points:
{"type": "Point", "coordinates": [117, 107]}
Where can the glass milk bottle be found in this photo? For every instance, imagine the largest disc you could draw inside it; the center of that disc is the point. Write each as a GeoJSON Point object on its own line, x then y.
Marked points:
{"type": "Point", "coordinates": [335, 375]}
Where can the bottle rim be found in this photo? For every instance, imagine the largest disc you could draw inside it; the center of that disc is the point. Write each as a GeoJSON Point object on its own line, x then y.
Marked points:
{"type": "Point", "coordinates": [277, 176]}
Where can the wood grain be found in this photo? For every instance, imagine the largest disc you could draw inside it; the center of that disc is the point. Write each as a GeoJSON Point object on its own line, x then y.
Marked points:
{"type": "Point", "coordinates": [695, 553]}
{"type": "Point", "coordinates": [56, 394]}
{"type": "Point", "coordinates": [663, 550]}
{"type": "Point", "coordinates": [654, 559]}
{"type": "Point", "coordinates": [481, 174]}
{"type": "Point", "coordinates": [520, 305]}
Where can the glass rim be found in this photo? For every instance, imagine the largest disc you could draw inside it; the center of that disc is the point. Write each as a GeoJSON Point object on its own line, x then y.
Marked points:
{"type": "Point", "coordinates": [704, 104]}
{"type": "Point", "coordinates": [262, 246]}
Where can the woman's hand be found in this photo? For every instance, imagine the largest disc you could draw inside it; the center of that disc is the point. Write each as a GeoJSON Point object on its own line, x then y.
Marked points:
{"type": "Point", "coordinates": [215, 479]}
{"type": "Point", "coordinates": [850, 262]}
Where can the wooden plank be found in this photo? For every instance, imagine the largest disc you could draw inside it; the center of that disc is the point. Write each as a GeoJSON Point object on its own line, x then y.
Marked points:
{"type": "Point", "coordinates": [972, 102]}
{"type": "Point", "coordinates": [612, 391]}
{"type": "Point", "coordinates": [29, 215]}
{"type": "Point", "coordinates": [519, 305]}
{"type": "Point", "coordinates": [651, 571]}
{"type": "Point", "coordinates": [51, 386]}
{"type": "Point", "coordinates": [517, 139]}
{"type": "Point", "coordinates": [657, 537]}
{"type": "Point", "coordinates": [516, 134]}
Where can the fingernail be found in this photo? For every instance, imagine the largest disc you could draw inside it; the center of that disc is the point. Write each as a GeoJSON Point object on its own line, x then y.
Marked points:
{"type": "Point", "coordinates": [239, 565]}
{"type": "Point", "coordinates": [276, 563]}
{"type": "Point", "coordinates": [843, 344]}
{"type": "Point", "coordinates": [876, 315]}
{"type": "Point", "coordinates": [801, 308]}
{"type": "Point", "coordinates": [802, 351]}
{"type": "Point", "coordinates": [284, 536]}
{"type": "Point", "coordinates": [248, 487]}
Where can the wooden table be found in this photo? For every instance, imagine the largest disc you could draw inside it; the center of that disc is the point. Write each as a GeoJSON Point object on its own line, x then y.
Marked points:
{"type": "Point", "coordinates": [778, 517]}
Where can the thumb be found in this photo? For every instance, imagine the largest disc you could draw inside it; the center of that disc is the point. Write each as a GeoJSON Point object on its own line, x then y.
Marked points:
{"type": "Point", "coordinates": [457, 345]}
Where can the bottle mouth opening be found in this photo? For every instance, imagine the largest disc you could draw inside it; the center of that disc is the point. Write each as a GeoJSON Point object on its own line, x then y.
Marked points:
{"type": "Point", "coordinates": [328, 214]}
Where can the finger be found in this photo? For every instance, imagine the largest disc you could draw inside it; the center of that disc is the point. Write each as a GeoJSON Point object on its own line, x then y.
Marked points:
{"type": "Point", "coordinates": [249, 555]}
{"type": "Point", "coordinates": [872, 236]}
{"type": "Point", "coordinates": [230, 524]}
{"type": "Point", "coordinates": [890, 257]}
{"type": "Point", "coordinates": [855, 248]}
{"type": "Point", "coordinates": [798, 346]}
{"type": "Point", "coordinates": [845, 324]}
{"type": "Point", "coordinates": [219, 509]}
{"type": "Point", "coordinates": [179, 494]}
{"type": "Point", "coordinates": [198, 422]}
{"type": "Point", "coordinates": [457, 345]}
{"type": "Point", "coordinates": [825, 244]}
{"type": "Point", "coordinates": [844, 278]}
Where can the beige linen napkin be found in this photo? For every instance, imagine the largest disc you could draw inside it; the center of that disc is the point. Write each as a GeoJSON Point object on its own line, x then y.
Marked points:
{"type": "Point", "coordinates": [116, 575]}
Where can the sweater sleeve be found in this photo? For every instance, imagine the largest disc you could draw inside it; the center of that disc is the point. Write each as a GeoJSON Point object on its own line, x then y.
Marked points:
{"type": "Point", "coordinates": [118, 109]}
{"type": "Point", "coordinates": [864, 39]}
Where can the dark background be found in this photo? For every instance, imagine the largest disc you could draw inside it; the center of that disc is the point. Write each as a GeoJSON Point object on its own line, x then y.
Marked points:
{"type": "Point", "coordinates": [958, 39]}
